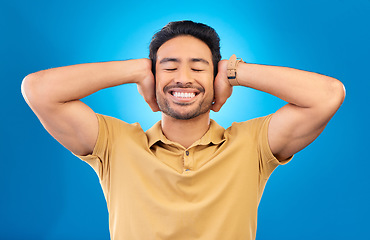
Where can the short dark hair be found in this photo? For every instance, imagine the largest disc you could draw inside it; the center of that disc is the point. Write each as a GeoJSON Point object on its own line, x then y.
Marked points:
{"type": "Point", "coordinates": [198, 30]}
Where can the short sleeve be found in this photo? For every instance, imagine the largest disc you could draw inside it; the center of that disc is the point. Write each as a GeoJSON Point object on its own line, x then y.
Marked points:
{"type": "Point", "coordinates": [115, 137]}
{"type": "Point", "coordinates": [99, 159]}
{"type": "Point", "coordinates": [268, 161]}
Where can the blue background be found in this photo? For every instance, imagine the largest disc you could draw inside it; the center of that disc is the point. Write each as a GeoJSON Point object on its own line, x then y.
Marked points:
{"type": "Point", "coordinates": [47, 193]}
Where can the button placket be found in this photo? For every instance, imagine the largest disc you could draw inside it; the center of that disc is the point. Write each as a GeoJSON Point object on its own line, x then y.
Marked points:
{"type": "Point", "coordinates": [188, 163]}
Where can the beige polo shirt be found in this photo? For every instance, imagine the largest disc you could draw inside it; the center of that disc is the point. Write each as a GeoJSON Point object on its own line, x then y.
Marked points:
{"type": "Point", "coordinates": [157, 189]}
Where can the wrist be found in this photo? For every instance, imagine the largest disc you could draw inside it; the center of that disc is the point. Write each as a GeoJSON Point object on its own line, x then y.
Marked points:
{"type": "Point", "coordinates": [140, 69]}
{"type": "Point", "coordinates": [232, 66]}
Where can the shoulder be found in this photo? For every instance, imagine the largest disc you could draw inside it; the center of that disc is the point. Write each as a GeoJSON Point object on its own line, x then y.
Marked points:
{"type": "Point", "coordinates": [252, 126]}
{"type": "Point", "coordinates": [104, 119]}
{"type": "Point", "coordinates": [114, 126]}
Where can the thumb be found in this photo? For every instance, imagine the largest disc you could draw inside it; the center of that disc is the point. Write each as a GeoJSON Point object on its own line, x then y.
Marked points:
{"type": "Point", "coordinates": [218, 104]}
{"type": "Point", "coordinates": [149, 97]}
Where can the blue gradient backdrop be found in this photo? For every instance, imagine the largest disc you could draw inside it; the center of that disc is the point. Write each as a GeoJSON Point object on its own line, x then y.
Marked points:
{"type": "Point", "coordinates": [47, 193]}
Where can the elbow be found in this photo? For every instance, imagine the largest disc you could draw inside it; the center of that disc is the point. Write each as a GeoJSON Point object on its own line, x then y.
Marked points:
{"type": "Point", "coordinates": [329, 99]}
{"type": "Point", "coordinates": [26, 87]}
{"type": "Point", "coordinates": [336, 93]}
{"type": "Point", "coordinates": [31, 88]}
{"type": "Point", "coordinates": [339, 92]}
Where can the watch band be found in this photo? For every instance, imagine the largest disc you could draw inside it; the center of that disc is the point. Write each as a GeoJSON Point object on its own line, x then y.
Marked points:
{"type": "Point", "coordinates": [232, 64]}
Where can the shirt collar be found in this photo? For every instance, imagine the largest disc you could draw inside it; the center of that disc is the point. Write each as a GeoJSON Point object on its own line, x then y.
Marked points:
{"type": "Point", "coordinates": [215, 135]}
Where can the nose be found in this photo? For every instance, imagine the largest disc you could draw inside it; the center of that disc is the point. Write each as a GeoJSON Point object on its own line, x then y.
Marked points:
{"type": "Point", "coordinates": [184, 76]}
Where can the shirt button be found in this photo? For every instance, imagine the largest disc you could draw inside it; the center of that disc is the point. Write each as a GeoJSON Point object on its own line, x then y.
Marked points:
{"type": "Point", "coordinates": [187, 153]}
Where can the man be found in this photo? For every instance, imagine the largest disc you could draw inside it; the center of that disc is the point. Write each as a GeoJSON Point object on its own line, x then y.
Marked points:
{"type": "Point", "coordinates": [186, 177]}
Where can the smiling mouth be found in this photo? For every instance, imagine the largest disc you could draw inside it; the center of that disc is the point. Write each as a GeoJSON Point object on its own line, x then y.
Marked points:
{"type": "Point", "coordinates": [184, 95]}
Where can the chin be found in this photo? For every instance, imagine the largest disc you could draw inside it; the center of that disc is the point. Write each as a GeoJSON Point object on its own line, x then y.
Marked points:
{"type": "Point", "coordinates": [184, 111]}
{"type": "Point", "coordinates": [185, 115]}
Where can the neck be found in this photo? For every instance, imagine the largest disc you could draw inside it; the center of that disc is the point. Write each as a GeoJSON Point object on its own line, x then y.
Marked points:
{"type": "Point", "coordinates": [185, 132]}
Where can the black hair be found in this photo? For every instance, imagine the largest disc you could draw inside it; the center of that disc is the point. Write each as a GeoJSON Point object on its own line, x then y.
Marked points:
{"type": "Point", "coordinates": [198, 30]}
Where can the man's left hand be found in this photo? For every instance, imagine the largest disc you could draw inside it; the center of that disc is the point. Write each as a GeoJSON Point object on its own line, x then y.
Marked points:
{"type": "Point", "coordinates": [222, 87]}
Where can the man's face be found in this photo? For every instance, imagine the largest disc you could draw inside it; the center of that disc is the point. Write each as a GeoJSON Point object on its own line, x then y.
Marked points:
{"type": "Point", "coordinates": [184, 78]}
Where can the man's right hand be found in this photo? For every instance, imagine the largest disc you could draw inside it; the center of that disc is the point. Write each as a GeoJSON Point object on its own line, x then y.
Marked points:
{"type": "Point", "coordinates": [146, 85]}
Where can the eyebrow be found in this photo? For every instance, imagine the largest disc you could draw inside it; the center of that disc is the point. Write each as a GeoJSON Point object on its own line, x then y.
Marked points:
{"type": "Point", "coordinates": [165, 60]}
{"type": "Point", "coordinates": [199, 60]}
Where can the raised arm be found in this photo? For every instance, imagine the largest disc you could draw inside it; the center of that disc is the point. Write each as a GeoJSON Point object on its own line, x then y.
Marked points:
{"type": "Point", "coordinates": [312, 100]}
{"type": "Point", "coordinates": [54, 96]}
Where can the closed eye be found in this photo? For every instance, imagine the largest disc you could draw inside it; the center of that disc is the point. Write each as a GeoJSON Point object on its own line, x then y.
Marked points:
{"type": "Point", "coordinates": [197, 70]}
{"type": "Point", "coordinates": [170, 69]}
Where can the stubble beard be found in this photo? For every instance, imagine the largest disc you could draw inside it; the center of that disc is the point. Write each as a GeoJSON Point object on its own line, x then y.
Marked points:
{"type": "Point", "coordinates": [203, 107]}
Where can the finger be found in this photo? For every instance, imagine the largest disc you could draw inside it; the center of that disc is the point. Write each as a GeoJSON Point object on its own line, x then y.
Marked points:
{"type": "Point", "coordinates": [215, 108]}
{"type": "Point", "coordinates": [152, 102]}
{"type": "Point", "coordinates": [218, 104]}
{"type": "Point", "coordinates": [154, 106]}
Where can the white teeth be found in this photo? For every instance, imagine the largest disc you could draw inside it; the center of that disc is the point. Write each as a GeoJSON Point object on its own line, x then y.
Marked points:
{"type": "Point", "coordinates": [183, 95]}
